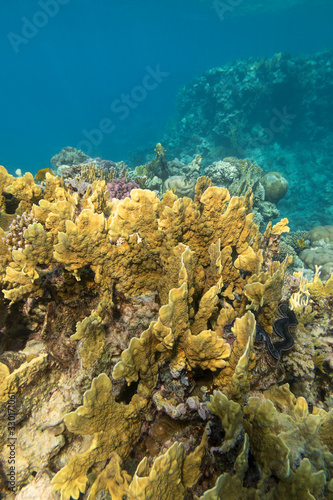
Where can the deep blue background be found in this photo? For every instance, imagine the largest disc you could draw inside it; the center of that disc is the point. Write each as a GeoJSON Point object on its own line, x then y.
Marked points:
{"type": "Point", "coordinates": [66, 77]}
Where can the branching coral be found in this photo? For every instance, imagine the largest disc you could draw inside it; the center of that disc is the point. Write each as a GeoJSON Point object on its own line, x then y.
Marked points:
{"type": "Point", "coordinates": [231, 416]}
{"type": "Point", "coordinates": [156, 167]}
{"type": "Point", "coordinates": [133, 246]}
{"type": "Point", "coordinates": [16, 196]}
{"type": "Point", "coordinates": [102, 417]}
{"type": "Point", "coordinates": [21, 273]}
{"type": "Point", "coordinates": [120, 188]}
{"type": "Point", "coordinates": [231, 486]}
{"type": "Point", "coordinates": [21, 376]}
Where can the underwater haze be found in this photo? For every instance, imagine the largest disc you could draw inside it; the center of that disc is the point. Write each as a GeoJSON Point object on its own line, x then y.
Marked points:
{"type": "Point", "coordinates": [166, 250]}
{"type": "Point", "coordinates": [66, 63]}
{"type": "Point", "coordinates": [114, 78]}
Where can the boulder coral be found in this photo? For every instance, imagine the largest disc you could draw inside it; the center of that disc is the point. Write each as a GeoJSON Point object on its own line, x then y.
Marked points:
{"type": "Point", "coordinates": [275, 185]}
{"type": "Point", "coordinates": [320, 252]}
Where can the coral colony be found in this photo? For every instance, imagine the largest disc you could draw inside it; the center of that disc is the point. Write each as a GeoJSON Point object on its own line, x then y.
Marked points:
{"type": "Point", "coordinates": [160, 336]}
{"type": "Point", "coordinates": [120, 188]}
{"type": "Point", "coordinates": [153, 340]}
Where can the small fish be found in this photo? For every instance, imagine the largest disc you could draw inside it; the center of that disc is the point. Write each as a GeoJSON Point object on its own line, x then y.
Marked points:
{"type": "Point", "coordinates": [301, 242]}
{"type": "Point", "coordinates": [41, 174]}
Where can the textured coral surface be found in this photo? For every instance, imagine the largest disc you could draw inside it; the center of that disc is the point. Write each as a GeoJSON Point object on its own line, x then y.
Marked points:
{"type": "Point", "coordinates": [132, 357]}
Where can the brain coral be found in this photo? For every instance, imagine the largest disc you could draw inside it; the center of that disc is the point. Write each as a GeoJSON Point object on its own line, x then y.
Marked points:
{"type": "Point", "coordinates": [320, 234]}
{"type": "Point", "coordinates": [323, 257]}
{"type": "Point", "coordinates": [180, 185]}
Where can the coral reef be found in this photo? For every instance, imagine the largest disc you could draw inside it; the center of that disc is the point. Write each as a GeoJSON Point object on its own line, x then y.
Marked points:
{"type": "Point", "coordinates": [320, 234]}
{"type": "Point", "coordinates": [69, 156]}
{"type": "Point", "coordinates": [230, 110]}
{"type": "Point", "coordinates": [293, 244]}
{"type": "Point", "coordinates": [80, 170]}
{"type": "Point", "coordinates": [276, 111]}
{"type": "Point", "coordinates": [282, 435]}
{"type": "Point", "coordinates": [238, 176]}
{"type": "Point", "coordinates": [129, 345]}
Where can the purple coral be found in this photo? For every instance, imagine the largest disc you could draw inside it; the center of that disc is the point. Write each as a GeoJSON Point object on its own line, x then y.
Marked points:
{"type": "Point", "coordinates": [120, 188]}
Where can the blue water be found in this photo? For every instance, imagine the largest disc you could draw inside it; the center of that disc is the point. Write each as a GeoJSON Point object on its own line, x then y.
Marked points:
{"type": "Point", "coordinates": [64, 78]}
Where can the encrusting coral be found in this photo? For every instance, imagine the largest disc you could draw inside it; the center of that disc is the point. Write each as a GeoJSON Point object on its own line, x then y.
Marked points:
{"type": "Point", "coordinates": [147, 305]}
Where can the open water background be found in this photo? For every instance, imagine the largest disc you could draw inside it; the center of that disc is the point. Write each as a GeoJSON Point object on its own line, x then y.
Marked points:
{"type": "Point", "coordinates": [61, 78]}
